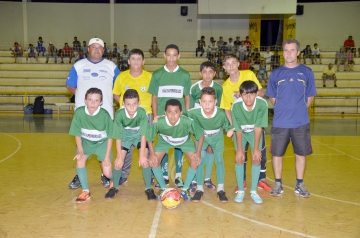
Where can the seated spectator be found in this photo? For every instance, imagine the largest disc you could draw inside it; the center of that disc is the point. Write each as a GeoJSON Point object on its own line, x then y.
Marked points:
{"type": "Point", "coordinates": [242, 51]}
{"type": "Point", "coordinates": [329, 73]}
{"type": "Point", "coordinates": [80, 56]}
{"type": "Point", "coordinates": [209, 46]}
{"type": "Point", "coordinates": [106, 54]}
{"type": "Point", "coordinates": [220, 42]}
{"type": "Point", "coordinates": [66, 52]}
{"type": "Point", "coordinates": [307, 54]}
{"type": "Point", "coordinates": [350, 43]}
{"type": "Point", "coordinates": [340, 59]}
{"type": "Point", "coordinates": [349, 60]}
{"type": "Point", "coordinates": [247, 42]}
{"type": "Point", "coordinates": [213, 51]}
{"type": "Point", "coordinates": [200, 46]}
{"type": "Point", "coordinates": [262, 73]}
{"type": "Point", "coordinates": [51, 52]}
{"type": "Point", "coordinates": [220, 71]}
{"type": "Point", "coordinates": [154, 49]}
{"type": "Point", "coordinates": [76, 45]}
{"type": "Point", "coordinates": [31, 53]}
{"type": "Point", "coordinates": [115, 53]}
{"type": "Point", "coordinates": [224, 49]}
{"type": "Point", "coordinates": [84, 48]}
{"type": "Point", "coordinates": [40, 46]}
{"type": "Point", "coordinates": [246, 64]}
{"type": "Point", "coordinates": [16, 51]}
{"type": "Point", "coordinates": [267, 55]}
{"type": "Point", "coordinates": [124, 56]}
{"type": "Point", "coordinates": [316, 53]}
{"type": "Point", "coordinates": [255, 56]}
{"type": "Point", "coordinates": [237, 42]}
{"type": "Point", "coordinates": [231, 46]}
{"type": "Point", "coordinates": [275, 61]}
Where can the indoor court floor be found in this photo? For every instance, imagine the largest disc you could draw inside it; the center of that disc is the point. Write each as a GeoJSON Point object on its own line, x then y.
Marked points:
{"type": "Point", "coordinates": [36, 167]}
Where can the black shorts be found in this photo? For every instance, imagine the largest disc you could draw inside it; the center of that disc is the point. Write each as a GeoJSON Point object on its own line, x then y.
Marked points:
{"type": "Point", "coordinates": [300, 138]}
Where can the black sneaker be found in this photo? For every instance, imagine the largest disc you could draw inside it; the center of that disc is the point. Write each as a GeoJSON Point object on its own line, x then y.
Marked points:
{"type": "Point", "coordinates": [75, 183]}
{"type": "Point", "coordinates": [179, 182]}
{"type": "Point", "coordinates": [105, 181]}
{"type": "Point", "coordinates": [193, 186]}
{"type": "Point", "coordinates": [111, 193]}
{"type": "Point", "coordinates": [222, 197]}
{"type": "Point", "coordinates": [150, 194]}
{"type": "Point", "coordinates": [122, 181]}
{"type": "Point", "coordinates": [197, 196]}
{"type": "Point", "coordinates": [166, 182]}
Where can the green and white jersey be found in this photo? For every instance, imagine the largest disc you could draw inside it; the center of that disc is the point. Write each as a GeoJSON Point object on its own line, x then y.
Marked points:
{"type": "Point", "coordinates": [174, 135]}
{"type": "Point", "coordinates": [245, 120]}
{"type": "Point", "coordinates": [134, 127]}
{"type": "Point", "coordinates": [169, 85]}
{"type": "Point", "coordinates": [195, 93]}
{"type": "Point", "coordinates": [93, 129]}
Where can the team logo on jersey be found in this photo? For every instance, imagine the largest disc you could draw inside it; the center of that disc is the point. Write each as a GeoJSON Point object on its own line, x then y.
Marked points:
{"type": "Point", "coordinates": [127, 87]}
{"type": "Point", "coordinates": [291, 80]}
{"type": "Point", "coordinates": [300, 73]}
{"type": "Point", "coordinates": [103, 71]}
{"type": "Point", "coordinates": [94, 74]}
{"type": "Point", "coordinates": [143, 89]}
{"type": "Point", "coordinates": [86, 70]}
{"type": "Point", "coordinates": [86, 77]}
{"type": "Point", "coordinates": [102, 77]}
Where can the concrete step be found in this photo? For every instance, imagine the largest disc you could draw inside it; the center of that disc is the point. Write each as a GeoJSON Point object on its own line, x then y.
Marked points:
{"type": "Point", "coordinates": [34, 90]}
{"type": "Point", "coordinates": [32, 82]}
{"type": "Point", "coordinates": [34, 74]}
{"type": "Point", "coordinates": [338, 92]}
{"type": "Point", "coordinates": [336, 110]}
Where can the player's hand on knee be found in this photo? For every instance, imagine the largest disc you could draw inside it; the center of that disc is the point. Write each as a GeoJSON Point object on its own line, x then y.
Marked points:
{"type": "Point", "coordinates": [239, 157]}
{"type": "Point", "coordinates": [153, 161]}
{"type": "Point", "coordinates": [143, 161]}
{"type": "Point", "coordinates": [119, 163]}
{"type": "Point", "coordinates": [80, 157]}
{"type": "Point", "coordinates": [106, 162]}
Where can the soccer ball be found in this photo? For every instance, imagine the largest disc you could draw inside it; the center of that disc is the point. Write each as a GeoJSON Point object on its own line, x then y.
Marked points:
{"type": "Point", "coordinates": [170, 198]}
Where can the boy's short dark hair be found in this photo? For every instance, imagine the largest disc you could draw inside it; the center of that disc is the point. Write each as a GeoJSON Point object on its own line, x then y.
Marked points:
{"type": "Point", "coordinates": [173, 102]}
{"type": "Point", "coordinates": [172, 46]}
{"type": "Point", "coordinates": [208, 91]}
{"type": "Point", "coordinates": [229, 56]}
{"type": "Point", "coordinates": [248, 87]}
{"type": "Point", "coordinates": [207, 64]}
{"type": "Point", "coordinates": [130, 94]}
{"type": "Point", "coordinates": [94, 91]}
{"type": "Point", "coordinates": [136, 52]}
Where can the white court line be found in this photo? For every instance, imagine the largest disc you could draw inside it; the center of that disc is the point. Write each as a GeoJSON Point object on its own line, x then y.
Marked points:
{"type": "Point", "coordinates": [155, 223]}
{"type": "Point", "coordinates": [17, 149]}
{"type": "Point", "coordinates": [336, 149]}
{"type": "Point", "coordinates": [256, 222]}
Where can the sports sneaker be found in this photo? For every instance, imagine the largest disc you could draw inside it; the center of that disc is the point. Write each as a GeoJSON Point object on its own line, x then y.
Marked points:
{"type": "Point", "coordinates": [193, 186]}
{"type": "Point", "coordinates": [197, 196]}
{"type": "Point", "coordinates": [166, 182]}
{"type": "Point", "coordinates": [83, 197]}
{"type": "Point", "coordinates": [277, 189]}
{"type": "Point", "coordinates": [122, 181]}
{"type": "Point", "coordinates": [179, 182]}
{"type": "Point", "coordinates": [264, 185]}
{"type": "Point", "coordinates": [237, 188]}
{"type": "Point", "coordinates": [185, 194]}
{"type": "Point", "coordinates": [239, 196]}
{"type": "Point", "coordinates": [105, 181]}
{"type": "Point", "coordinates": [150, 194]}
{"type": "Point", "coordinates": [209, 184]}
{"type": "Point", "coordinates": [111, 193]}
{"type": "Point", "coordinates": [75, 183]}
{"type": "Point", "coordinates": [301, 190]}
{"type": "Point", "coordinates": [159, 194]}
{"type": "Point", "coordinates": [222, 197]}
{"type": "Point", "coordinates": [255, 197]}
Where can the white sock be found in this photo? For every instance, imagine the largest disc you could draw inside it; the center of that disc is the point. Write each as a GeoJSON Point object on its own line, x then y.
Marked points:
{"type": "Point", "coordinates": [220, 187]}
{"type": "Point", "coordinates": [207, 179]}
{"type": "Point", "coordinates": [200, 187]}
{"type": "Point", "coordinates": [178, 175]}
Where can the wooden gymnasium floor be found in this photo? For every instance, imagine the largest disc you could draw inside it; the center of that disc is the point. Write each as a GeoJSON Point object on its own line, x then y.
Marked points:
{"type": "Point", "coordinates": [36, 167]}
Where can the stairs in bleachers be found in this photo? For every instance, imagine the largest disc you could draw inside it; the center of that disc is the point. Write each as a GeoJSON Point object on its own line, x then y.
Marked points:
{"type": "Point", "coordinates": [20, 83]}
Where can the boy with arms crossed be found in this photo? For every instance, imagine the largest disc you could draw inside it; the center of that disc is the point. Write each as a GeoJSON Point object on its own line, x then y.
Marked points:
{"type": "Point", "coordinates": [130, 126]}
{"type": "Point", "coordinates": [212, 120]}
{"type": "Point", "coordinates": [174, 132]}
{"type": "Point", "coordinates": [230, 94]}
{"type": "Point", "coordinates": [92, 127]}
{"type": "Point", "coordinates": [250, 116]}
{"type": "Point", "coordinates": [168, 82]}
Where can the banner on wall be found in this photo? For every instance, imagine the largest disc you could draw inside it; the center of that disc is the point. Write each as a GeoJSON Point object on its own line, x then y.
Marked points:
{"type": "Point", "coordinates": [289, 29]}
{"type": "Point", "coordinates": [254, 33]}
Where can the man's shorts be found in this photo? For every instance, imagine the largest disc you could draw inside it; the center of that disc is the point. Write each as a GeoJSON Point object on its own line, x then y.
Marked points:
{"type": "Point", "coordinates": [300, 138]}
{"type": "Point", "coordinates": [317, 56]}
{"type": "Point", "coordinates": [163, 146]}
{"type": "Point", "coordinates": [99, 149]}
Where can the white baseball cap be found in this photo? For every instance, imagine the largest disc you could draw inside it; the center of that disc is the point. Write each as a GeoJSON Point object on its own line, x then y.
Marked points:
{"type": "Point", "coordinates": [96, 40]}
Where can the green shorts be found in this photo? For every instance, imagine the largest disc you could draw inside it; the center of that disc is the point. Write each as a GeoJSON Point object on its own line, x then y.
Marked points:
{"type": "Point", "coordinates": [216, 143]}
{"type": "Point", "coordinates": [247, 138]}
{"type": "Point", "coordinates": [130, 138]}
{"type": "Point", "coordinates": [98, 149]}
{"type": "Point", "coordinates": [163, 146]}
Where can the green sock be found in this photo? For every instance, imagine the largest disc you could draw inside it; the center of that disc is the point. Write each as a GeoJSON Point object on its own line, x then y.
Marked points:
{"type": "Point", "coordinates": [82, 174]}
{"type": "Point", "coordinates": [189, 177]}
{"type": "Point", "coordinates": [178, 154]}
{"type": "Point", "coordinates": [209, 160]}
{"type": "Point", "coordinates": [116, 177]}
{"type": "Point", "coordinates": [255, 172]}
{"type": "Point", "coordinates": [239, 171]}
{"type": "Point", "coordinates": [200, 170]}
{"type": "Point", "coordinates": [159, 177]}
{"type": "Point", "coordinates": [147, 177]}
{"type": "Point", "coordinates": [220, 169]}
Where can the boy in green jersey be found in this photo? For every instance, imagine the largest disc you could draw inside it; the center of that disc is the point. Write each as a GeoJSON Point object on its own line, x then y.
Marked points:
{"type": "Point", "coordinates": [174, 132]}
{"type": "Point", "coordinates": [130, 126]}
{"type": "Point", "coordinates": [212, 120]}
{"type": "Point", "coordinates": [92, 127]}
{"type": "Point", "coordinates": [249, 116]}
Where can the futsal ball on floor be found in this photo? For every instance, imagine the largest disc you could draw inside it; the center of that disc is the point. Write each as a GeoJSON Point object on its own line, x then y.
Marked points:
{"type": "Point", "coordinates": [170, 198]}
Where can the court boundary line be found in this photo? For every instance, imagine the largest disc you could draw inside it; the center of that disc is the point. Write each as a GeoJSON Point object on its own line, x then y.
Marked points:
{"type": "Point", "coordinates": [17, 149]}
{"type": "Point", "coordinates": [353, 157]}
{"type": "Point", "coordinates": [256, 222]}
{"type": "Point", "coordinates": [155, 222]}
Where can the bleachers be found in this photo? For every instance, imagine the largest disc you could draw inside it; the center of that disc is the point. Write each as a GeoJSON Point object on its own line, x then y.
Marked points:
{"type": "Point", "coordinates": [22, 82]}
